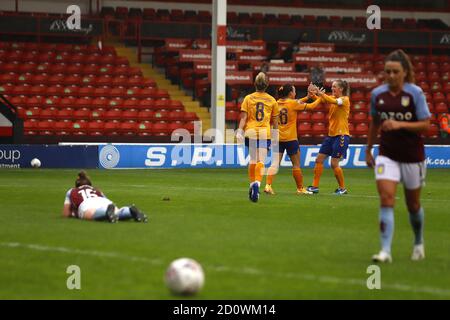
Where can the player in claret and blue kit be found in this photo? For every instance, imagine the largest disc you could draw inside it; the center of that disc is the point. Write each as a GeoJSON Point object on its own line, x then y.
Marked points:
{"type": "Point", "coordinates": [86, 202]}
{"type": "Point", "coordinates": [400, 110]}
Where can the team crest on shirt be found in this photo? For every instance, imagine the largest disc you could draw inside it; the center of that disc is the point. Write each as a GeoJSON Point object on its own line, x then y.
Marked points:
{"type": "Point", "coordinates": [405, 101]}
{"type": "Point", "coordinates": [380, 169]}
{"type": "Point", "coordinates": [381, 101]}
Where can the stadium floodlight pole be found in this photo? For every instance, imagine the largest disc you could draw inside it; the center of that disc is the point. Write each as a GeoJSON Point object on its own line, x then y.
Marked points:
{"type": "Point", "coordinates": [218, 46]}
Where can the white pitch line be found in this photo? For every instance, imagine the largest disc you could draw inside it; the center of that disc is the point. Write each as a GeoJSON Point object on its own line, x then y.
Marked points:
{"type": "Point", "coordinates": [247, 271]}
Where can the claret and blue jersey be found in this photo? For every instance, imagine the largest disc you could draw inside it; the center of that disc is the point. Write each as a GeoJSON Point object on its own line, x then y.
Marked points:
{"type": "Point", "coordinates": [408, 105]}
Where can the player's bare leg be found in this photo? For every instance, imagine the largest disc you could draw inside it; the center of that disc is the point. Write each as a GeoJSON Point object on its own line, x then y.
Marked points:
{"type": "Point", "coordinates": [386, 190]}
{"type": "Point", "coordinates": [416, 218]}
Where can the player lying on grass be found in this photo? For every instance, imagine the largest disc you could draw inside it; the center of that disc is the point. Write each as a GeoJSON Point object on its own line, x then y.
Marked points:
{"type": "Point", "coordinates": [89, 203]}
{"type": "Point", "coordinates": [287, 126]}
{"type": "Point", "coordinates": [336, 143]}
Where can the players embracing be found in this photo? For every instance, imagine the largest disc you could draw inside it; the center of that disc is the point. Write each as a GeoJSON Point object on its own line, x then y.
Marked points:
{"type": "Point", "coordinates": [287, 126]}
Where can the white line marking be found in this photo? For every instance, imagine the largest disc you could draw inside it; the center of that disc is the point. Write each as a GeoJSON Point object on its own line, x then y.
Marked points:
{"type": "Point", "coordinates": [248, 271]}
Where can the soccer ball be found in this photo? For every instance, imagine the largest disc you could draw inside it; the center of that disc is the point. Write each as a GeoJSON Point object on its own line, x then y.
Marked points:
{"type": "Point", "coordinates": [184, 276]}
{"type": "Point", "coordinates": [35, 163]}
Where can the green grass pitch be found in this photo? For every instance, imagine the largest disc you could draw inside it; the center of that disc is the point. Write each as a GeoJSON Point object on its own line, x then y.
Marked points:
{"type": "Point", "coordinates": [283, 247]}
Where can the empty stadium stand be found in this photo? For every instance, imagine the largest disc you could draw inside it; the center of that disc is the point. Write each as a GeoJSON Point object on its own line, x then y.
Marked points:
{"type": "Point", "coordinates": [65, 90]}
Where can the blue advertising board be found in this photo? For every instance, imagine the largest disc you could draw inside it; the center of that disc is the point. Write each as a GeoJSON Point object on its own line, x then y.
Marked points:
{"type": "Point", "coordinates": [51, 156]}
{"type": "Point", "coordinates": [120, 156]}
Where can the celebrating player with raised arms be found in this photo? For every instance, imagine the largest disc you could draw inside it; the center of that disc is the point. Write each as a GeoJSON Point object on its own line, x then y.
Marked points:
{"type": "Point", "coordinates": [287, 126]}
{"type": "Point", "coordinates": [336, 143]}
{"type": "Point", "coordinates": [400, 110]}
{"type": "Point", "coordinates": [86, 202]}
{"type": "Point", "coordinates": [258, 110]}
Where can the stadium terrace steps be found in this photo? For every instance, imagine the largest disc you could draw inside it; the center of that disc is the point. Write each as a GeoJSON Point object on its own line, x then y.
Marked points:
{"type": "Point", "coordinates": [163, 83]}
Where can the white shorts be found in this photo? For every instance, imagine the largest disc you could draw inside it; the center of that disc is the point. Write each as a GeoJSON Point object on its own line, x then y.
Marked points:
{"type": "Point", "coordinates": [97, 203]}
{"type": "Point", "coordinates": [412, 175]}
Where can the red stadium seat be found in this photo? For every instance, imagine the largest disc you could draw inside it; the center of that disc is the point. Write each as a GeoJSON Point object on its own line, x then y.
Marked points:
{"type": "Point", "coordinates": [101, 92]}
{"type": "Point", "coordinates": [175, 105]}
{"type": "Point", "coordinates": [79, 128]}
{"type": "Point", "coordinates": [304, 129]}
{"type": "Point", "coordinates": [130, 103]}
{"type": "Point", "coordinates": [131, 114]}
{"type": "Point", "coordinates": [361, 129]}
{"type": "Point", "coordinates": [48, 113]}
{"type": "Point", "coordinates": [128, 127]}
{"type": "Point", "coordinates": [145, 128]}
{"type": "Point", "coordinates": [433, 131]}
{"type": "Point", "coordinates": [32, 113]}
{"type": "Point", "coordinates": [318, 117]}
{"type": "Point", "coordinates": [85, 91]}
{"type": "Point", "coordinates": [231, 115]}
{"type": "Point", "coordinates": [51, 101]}
{"type": "Point", "coordinates": [97, 114]}
{"type": "Point", "coordinates": [147, 104]}
{"type": "Point", "coordinates": [190, 116]}
{"type": "Point", "coordinates": [99, 102]}
{"type": "Point", "coordinates": [178, 115]}
{"type": "Point", "coordinates": [161, 115]}
{"type": "Point", "coordinates": [28, 67]}
{"type": "Point", "coordinates": [161, 129]}
{"type": "Point", "coordinates": [82, 103]}
{"type": "Point", "coordinates": [319, 129]}
{"type": "Point", "coordinates": [145, 115]}
{"type": "Point", "coordinates": [56, 90]}
{"type": "Point", "coordinates": [83, 113]}
{"type": "Point", "coordinates": [45, 127]}
{"type": "Point", "coordinates": [441, 107]}
{"type": "Point", "coordinates": [22, 90]}
{"type": "Point", "coordinates": [65, 113]}
{"type": "Point", "coordinates": [111, 127]}
{"type": "Point", "coordinates": [33, 101]}
{"type": "Point", "coordinates": [438, 97]}
{"type": "Point", "coordinates": [95, 128]}
{"type": "Point", "coordinates": [118, 81]}
{"type": "Point", "coordinates": [360, 117]}
{"type": "Point", "coordinates": [117, 92]}
{"type": "Point", "coordinates": [303, 116]}
{"type": "Point", "coordinates": [63, 127]}
{"type": "Point", "coordinates": [113, 114]}
{"type": "Point", "coordinates": [360, 106]}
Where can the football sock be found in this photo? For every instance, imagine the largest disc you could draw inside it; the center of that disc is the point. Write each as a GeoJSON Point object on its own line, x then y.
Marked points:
{"type": "Point", "coordinates": [416, 220]}
{"type": "Point", "coordinates": [386, 228]}
{"type": "Point", "coordinates": [270, 175]}
{"type": "Point", "coordinates": [318, 169]}
{"type": "Point", "coordinates": [99, 215]}
{"type": "Point", "coordinates": [339, 174]}
{"type": "Point", "coordinates": [298, 177]}
{"type": "Point", "coordinates": [251, 172]}
{"type": "Point", "coordinates": [124, 213]}
{"type": "Point", "coordinates": [259, 171]}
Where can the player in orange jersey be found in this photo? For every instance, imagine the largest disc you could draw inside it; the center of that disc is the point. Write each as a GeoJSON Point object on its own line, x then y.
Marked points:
{"type": "Point", "coordinates": [336, 143]}
{"type": "Point", "coordinates": [258, 110]}
{"type": "Point", "coordinates": [287, 126]}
